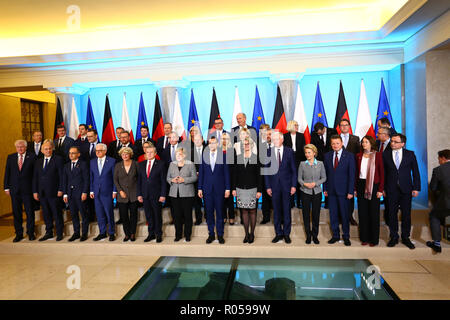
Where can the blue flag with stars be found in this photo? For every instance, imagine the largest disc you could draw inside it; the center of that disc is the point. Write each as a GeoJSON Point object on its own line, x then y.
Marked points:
{"type": "Point", "coordinates": [319, 110]}
{"type": "Point", "coordinates": [384, 111]}
{"type": "Point", "coordinates": [193, 116]}
{"type": "Point", "coordinates": [142, 118]}
{"type": "Point", "coordinates": [90, 121]}
{"type": "Point", "coordinates": [258, 115]}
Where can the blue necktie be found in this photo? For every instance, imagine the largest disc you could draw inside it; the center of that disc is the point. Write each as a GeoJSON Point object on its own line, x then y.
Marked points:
{"type": "Point", "coordinates": [213, 161]}
{"type": "Point", "coordinates": [100, 167]}
{"type": "Point", "coordinates": [45, 164]}
{"type": "Point", "coordinates": [397, 160]}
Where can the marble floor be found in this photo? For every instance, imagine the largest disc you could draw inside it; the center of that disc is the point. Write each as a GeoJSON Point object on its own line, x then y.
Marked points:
{"type": "Point", "coordinates": [51, 276]}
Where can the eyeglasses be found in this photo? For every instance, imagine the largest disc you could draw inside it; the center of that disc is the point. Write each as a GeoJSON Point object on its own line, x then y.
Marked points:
{"type": "Point", "coordinates": [100, 150]}
{"type": "Point", "coordinates": [393, 141]}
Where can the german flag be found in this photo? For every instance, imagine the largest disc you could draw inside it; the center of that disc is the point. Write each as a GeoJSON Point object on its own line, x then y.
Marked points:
{"type": "Point", "coordinates": [108, 134]}
{"type": "Point", "coordinates": [59, 119]}
{"type": "Point", "coordinates": [279, 118]}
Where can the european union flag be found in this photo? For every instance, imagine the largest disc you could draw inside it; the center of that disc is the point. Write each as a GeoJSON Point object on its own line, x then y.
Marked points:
{"type": "Point", "coordinates": [384, 111]}
{"type": "Point", "coordinates": [319, 110]}
{"type": "Point", "coordinates": [142, 119]}
{"type": "Point", "coordinates": [90, 121]}
{"type": "Point", "coordinates": [193, 116]}
{"type": "Point", "coordinates": [258, 115]}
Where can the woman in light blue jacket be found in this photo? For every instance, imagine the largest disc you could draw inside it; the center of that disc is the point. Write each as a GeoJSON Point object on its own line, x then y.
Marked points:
{"type": "Point", "coordinates": [311, 176]}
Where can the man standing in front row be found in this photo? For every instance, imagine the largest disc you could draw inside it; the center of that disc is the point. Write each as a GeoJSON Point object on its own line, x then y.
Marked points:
{"type": "Point", "coordinates": [18, 174]}
{"type": "Point", "coordinates": [339, 187]}
{"type": "Point", "coordinates": [103, 191]}
{"type": "Point", "coordinates": [151, 191]}
{"type": "Point", "coordinates": [47, 188]}
{"type": "Point", "coordinates": [400, 188]}
{"type": "Point", "coordinates": [76, 189]}
{"type": "Point", "coordinates": [213, 186]}
{"type": "Point", "coordinates": [280, 177]}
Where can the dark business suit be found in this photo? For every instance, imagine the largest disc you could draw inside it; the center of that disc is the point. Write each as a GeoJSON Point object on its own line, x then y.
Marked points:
{"type": "Point", "coordinates": [118, 157]}
{"type": "Point", "coordinates": [266, 201]}
{"type": "Point", "coordinates": [87, 155]}
{"type": "Point", "coordinates": [398, 187]}
{"type": "Point", "coordinates": [299, 156]}
{"type": "Point", "coordinates": [127, 182]}
{"type": "Point", "coordinates": [139, 148]}
{"type": "Point", "coordinates": [196, 158]}
{"type": "Point", "coordinates": [102, 185]}
{"type": "Point", "coordinates": [75, 183]}
{"type": "Point", "coordinates": [81, 141]}
{"type": "Point", "coordinates": [321, 147]}
{"type": "Point", "coordinates": [113, 147]}
{"type": "Point", "coordinates": [160, 145]}
{"type": "Point", "coordinates": [440, 188]}
{"type": "Point", "coordinates": [281, 178]}
{"type": "Point", "coordinates": [31, 149]}
{"type": "Point", "coordinates": [19, 186]}
{"type": "Point", "coordinates": [47, 183]}
{"type": "Point", "coordinates": [63, 149]}
{"type": "Point", "coordinates": [151, 189]}
{"type": "Point", "coordinates": [213, 184]}
{"type": "Point", "coordinates": [212, 133]}
{"type": "Point", "coordinates": [340, 182]}
{"type": "Point", "coordinates": [386, 148]}
{"type": "Point", "coordinates": [353, 146]}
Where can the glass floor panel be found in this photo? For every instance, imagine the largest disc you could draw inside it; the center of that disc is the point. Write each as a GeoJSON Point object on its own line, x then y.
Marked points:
{"type": "Point", "coordinates": [193, 278]}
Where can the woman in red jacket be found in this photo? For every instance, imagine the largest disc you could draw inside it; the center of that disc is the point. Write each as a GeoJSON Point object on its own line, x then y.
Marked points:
{"type": "Point", "coordinates": [369, 189]}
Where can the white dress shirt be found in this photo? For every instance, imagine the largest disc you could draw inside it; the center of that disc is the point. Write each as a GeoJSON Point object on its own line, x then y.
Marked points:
{"type": "Point", "coordinates": [293, 138]}
{"type": "Point", "coordinates": [281, 152]}
{"type": "Point", "coordinates": [45, 158]}
{"type": "Point", "coordinates": [339, 155]}
{"type": "Point", "coordinates": [400, 156]}
{"type": "Point", "coordinates": [345, 138]}
{"type": "Point", "coordinates": [363, 171]}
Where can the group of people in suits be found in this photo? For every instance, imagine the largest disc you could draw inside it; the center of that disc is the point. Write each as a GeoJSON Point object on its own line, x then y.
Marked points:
{"type": "Point", "coordinates": [240, 164]}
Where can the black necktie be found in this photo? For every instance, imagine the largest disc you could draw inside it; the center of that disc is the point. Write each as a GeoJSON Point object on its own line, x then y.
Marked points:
{"type": "Point", "coordinates": [45, 164]}
{"type": "Point", "coordinates": [60, 142]}
{"type": "Point", "coordinates": [73, 165]}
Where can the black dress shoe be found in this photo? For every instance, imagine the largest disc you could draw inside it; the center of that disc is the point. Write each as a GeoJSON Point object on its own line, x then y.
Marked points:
{"type": "Point", "coordinates": [245, 239]}
{"type": "Point", "coordinates": [133, 237]}
{"type": "Point", "coordinates": [188, 239]}
{"type": "Point", "coordinates": [126, 238]}
{"type": "Point", "coordinates": [59, 238]}
{"type": "Point", "coordinates": [392, 242]}
{"type": "Point", "coordinates": [433, 246]}
{"type": "Point", "coordinates": [18, 238]}
{"type": "Point", "coordinates": [112, 238]}
{"type": "Point", "coordinates": [353, 222]}
{"type": "Point", "coordinates": [315, 240]}
{"type": "Point", "coordinates": [277, 238]}
{"type": "Point", "coordinates": [46, 237]}
{"type": "Point", "coordinates": [347, 242]}
{"type": "Point", "coordinates": [265, 221]}
{"type": "Point", "coordinates": [333, 240]}
{"type": "Point", "coordinates": [150, 238]}
{"type": "Point", "coordinates": [100, 237]}
{"type": "Point", "coordinates": [308, 240]}
{"type": "Point", "coordinates": [84, 237]}
{"type": "Point", "coordinates": [74, 237]}
{"type": "Point", "coordinates": [287, 239]}
{"type": "Point", "coordinates": [221, 239]}
{"type": "Point", "coordinates": [31, 237]}
{"type": "Point", "coordinates": [251, 238]}
{"type": "Point", "coordinates": [177, 239]}
{"type": "Point", "coordinates": [408, 243]}
{"type": "Point", "coordinates": [159, 239]}
{"type": "Point", "coordinates": [210, 239]}
{"type": "Point", "coordinates": [119, 221]}
{"type": "Point", "coordinates": [198, 222]}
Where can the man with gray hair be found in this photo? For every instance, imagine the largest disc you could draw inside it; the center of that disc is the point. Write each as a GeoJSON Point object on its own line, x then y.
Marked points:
{"type": "Point", "coordinates": [241, 119]}
{"type": "Point", "coordinates": [17, 185]}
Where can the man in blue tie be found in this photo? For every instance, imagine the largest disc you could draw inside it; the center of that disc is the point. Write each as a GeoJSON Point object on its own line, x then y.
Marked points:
{"type": "Point", "coordinates": [103, 191]}
{"type": "Point", "coordinates": [213, 186]}
{"type": "Point", "coordinates": [402, 183]}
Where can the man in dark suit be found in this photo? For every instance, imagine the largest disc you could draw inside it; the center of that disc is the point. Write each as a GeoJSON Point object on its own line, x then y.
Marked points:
{"type": "Point", "coordinates": [124, 139]}
{"type": "Point", "coordinates": [321, 138]}
{"type": "Point", "coordinates": [103, 191]}
{"type": "Point", "coordinates": [47, 188]}
{"type": "Point", "coordinates": [35, 145]}
{"type": "Point", "coordinates": [217, 132]}
{"type": "Point", "coordinates": [139, 142]}
{"type": "Point", "coordinates": [241, 119]}
{"type": "Point", "coordinates": [213, 185]}
{"type": "Point", "coordinates": [18, 175]}
{"type": "Point", "coordinates": [384, 145]}
{"type": "Point", "coordinates": [440, 188]}
{"type": "Point", "coordinates": [385, 123]}
{"type": "Point", "coordinates": [82, 139]}
{"type": "Point", "coordinates": [87, 150]}
{"type": "Point", "coordinates": [280, 177]}
{"type": "Point", "coordinates": [400, 188]}
{"type": "Point", "coordinates": [352, 145]}
{"type": "Point", "coordinates": [265, 143]}
{"type": "Point", "coordinates": [196, 158]}
{"type": "Point", "coordinates": [163, 141]}
{"type": "Point", "coordinates": [340, 168]}
{"type": "Point", "coordinates": [168, 154]}
{"type": "Point", "coordinates": [151, 191]}
{"type": "Point", "coordinates": [76, 189]}
{"type": "Point", "coordinates": [115, 145]}
{"type": "Point", "coordinates": [63, 143]}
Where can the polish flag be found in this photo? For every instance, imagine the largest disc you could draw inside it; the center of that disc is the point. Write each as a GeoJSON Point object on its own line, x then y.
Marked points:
{"type": "Point", "coordinates": [237, 108]}
{"type": "Point", "coordinates": [126, 119]}
{"type": "Point", "coordinates": [74, 124]}
{"type": "Point", "coordinates": [300, 116]}
{"type": "Point", "coordinates": [364, 124]}
{"type": "Point", "coordinates": [177, 119]}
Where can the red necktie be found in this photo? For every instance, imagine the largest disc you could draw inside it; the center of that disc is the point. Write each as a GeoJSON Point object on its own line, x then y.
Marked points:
{"type": "Point", "coordinates": [20, 162]}
{"type": "Point", "coordinates": [148, 169]}
{"type": "Point", "coordinates": [336, 161]}
{"type": "Point", "coordinates": [279, 158]}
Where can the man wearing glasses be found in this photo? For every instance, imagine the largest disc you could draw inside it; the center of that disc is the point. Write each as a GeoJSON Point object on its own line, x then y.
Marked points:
{"type": "Point", "coordinates": [402, 183]}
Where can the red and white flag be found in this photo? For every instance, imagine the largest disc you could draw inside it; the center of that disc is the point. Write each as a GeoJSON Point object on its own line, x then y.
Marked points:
{"type": "Point", "coordinates": [300, 116]}
{"type": "Point", "coordinates": [126, 119]}
{"type": "Point", "coordinates": [74, 124]}
{"type": "Point", "coordinates": [364, 124]}
{"type": "Point", "coordinates": [237, 108]}
{"type": "Point", "coordinates": [177, 119]}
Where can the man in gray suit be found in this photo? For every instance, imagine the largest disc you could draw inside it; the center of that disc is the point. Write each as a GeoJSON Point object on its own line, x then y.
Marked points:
{"type": "Point", "coordinates": [440, 187]}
